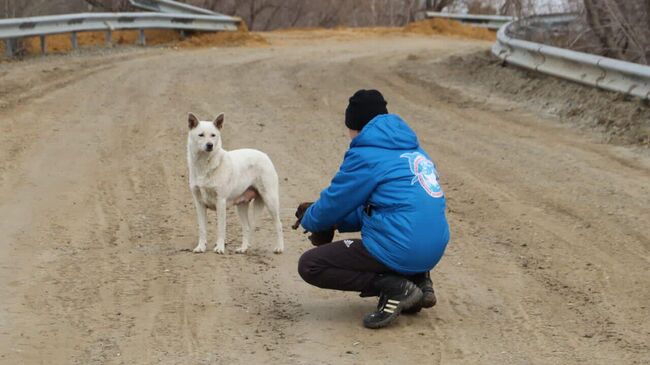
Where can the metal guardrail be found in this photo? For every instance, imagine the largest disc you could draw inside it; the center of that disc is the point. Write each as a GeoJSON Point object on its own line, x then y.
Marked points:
{"type": "Point", "coordinates": [606, 73]}
{"type": "Point", "coordinates": [485, 21]}
{"type": "Point", "coordinates": [169, 6]}
{"type": "Point", "coordinates": [14, 28]}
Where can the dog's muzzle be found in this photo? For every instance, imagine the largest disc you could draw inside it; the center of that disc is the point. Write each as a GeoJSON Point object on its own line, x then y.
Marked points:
{"type": "Point", "coordinates": [209, 147]}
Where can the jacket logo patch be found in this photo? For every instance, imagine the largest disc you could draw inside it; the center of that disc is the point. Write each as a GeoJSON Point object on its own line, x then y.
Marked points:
{"type": "Point", "coordinates": [425, 173]}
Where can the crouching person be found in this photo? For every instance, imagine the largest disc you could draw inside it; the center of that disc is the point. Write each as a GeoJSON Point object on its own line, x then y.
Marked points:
{"type": "Point", "coordinates": [387, 188]}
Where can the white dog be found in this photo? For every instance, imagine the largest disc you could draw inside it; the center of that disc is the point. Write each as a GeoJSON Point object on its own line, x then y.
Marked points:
{"type": "Point", "coordinates": [245, 177]}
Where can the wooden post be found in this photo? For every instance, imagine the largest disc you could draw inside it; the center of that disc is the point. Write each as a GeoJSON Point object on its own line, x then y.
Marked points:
{"type": "Point", "coordinates": [142, 40]}
{"type": "Point", "coordinates": [183, 34]}
{"type": "Point", "coordinates": [109, 37]}
{"type": "Point", "coordinates": [73, 40]}
{"type": "Point", "coordinates": [9, 47]}
{"type": "Point", "coordinates": [43, 44]}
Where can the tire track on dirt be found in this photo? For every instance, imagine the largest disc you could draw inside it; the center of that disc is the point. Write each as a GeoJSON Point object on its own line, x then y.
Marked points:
{"type": "Point", "coordinates": [592, 318]}
{"type": "Point", "coordinates": [558, 208]}
{"type": "Point", "coordinates": [99, 266]}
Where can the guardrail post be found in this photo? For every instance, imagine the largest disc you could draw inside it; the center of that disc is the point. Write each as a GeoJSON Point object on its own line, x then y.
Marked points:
{"type": "Point", "coordinates": [142, 40]}
{"type": "Point", "coordinates": [9, 47]}
{"type": "Point", "coordinates": [43, 44]}
{"type": "Point", "coordinates": [15, 29]}
{"type": "Point", "coordinates": [73, 40]}
{"type": "Point", "coordinates": [183, 34]}
{"type": "Point", "coordinates": [109, 37]}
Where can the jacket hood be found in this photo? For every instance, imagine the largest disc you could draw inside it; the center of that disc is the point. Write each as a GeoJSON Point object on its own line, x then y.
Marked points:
{"type": "Point", "coordinates": [386, 131]}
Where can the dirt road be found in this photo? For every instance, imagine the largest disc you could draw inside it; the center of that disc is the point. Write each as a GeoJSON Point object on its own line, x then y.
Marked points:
{"type": "Point", "coordinates": [549, 261]}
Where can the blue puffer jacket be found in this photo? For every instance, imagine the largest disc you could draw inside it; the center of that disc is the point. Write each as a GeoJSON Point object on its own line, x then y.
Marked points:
{"type": "Point", "coordinates": [386, 169]}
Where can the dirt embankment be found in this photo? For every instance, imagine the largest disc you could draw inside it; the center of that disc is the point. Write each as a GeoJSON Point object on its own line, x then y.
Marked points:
{"type": "Point", "coordinates": [449, 28]}
{"type": "Point", "coordinates": [61, 43]}
{"type": "Point", "coordinates": [614, 117]}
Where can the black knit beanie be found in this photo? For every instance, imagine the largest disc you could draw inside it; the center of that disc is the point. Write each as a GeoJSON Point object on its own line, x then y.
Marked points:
{"type": "Point", "coordinates": [364, 105]}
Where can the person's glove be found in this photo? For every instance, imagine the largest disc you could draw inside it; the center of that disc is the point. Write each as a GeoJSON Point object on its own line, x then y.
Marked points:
{"type": "Point", "coordinates": [316, 238]}
{"type": "Point", "coordinates": [321, 238]}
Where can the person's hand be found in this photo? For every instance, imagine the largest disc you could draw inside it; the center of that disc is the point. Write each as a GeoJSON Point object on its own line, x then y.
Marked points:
{"type": "Point", "coordinates": [316, 238]}
{"type": "Point", "coordinates": [300, 212]}
{"type": "Point", "coordinates": [321, 238]}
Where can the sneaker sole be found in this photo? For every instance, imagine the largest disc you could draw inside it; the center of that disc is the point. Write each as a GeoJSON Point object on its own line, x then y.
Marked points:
{"type": "Point", "coordinates": [428, 299]}
{"type": "Point", "coordinates": [408, 302]}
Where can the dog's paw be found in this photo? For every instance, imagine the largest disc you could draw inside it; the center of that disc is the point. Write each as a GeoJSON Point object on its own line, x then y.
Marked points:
{"type": "Point", "coordinates": [241, 249]}
{"type": "Point", "coordinates": [220, 249]}
{"type": "Point", "coordinates": [199, 249]}
{"type": "Point", "coordinates": [278, 250]}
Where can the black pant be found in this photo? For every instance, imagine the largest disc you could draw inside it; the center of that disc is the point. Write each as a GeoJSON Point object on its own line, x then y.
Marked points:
{"type": "Point", "coordinates": [342, 265]}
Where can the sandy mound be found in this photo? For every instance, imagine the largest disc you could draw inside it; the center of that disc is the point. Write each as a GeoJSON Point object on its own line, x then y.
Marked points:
{"type": "Point", "coordinates": [286, 36]}
{"type": "Point", "coordinates": [61, 43]}
{"type": "Point", "coordinates": [424, 27]}
{"type": "Point", "coordinates": [449, 27]}
{"type": "Point", "coordinates": [240, 38]}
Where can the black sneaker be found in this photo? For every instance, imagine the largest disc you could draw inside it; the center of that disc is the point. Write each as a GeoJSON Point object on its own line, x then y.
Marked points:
{"type": "Point", "coordinates": [397, 294]}
{"type": "Point", "coordinates": [428, 295]}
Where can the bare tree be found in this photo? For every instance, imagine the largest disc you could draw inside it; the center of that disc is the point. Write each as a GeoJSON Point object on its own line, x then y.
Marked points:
{"type": "Point", "coordinates": [298, 13]}
{"type": "Point", "coordinates": [410, 9]}
{"type": "Point", "coordinates": [23, 8]}
{"type": "Point", "coordinates": [110, 5]}
{"type": "Point", "coordinates": [612, 28]}
{"type": "Point", "coordinates": [513, 7]}
{"type": "Point", "coordinates": [12, 8]}
{"type": "Point", "coordinates": [621, 27]}
{"type": "Point", "coordinates": [328, 16]}
{"type": "Point", "coordinates": [437, 5]}
{"type": "Point", "coordinates": [481, 7]}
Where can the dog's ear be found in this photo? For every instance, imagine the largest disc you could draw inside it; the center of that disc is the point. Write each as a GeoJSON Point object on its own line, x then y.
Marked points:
{"type": "Point", "coordinates": [218, 121]}
{"type": "Point", "coordinates": [192, 121]}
